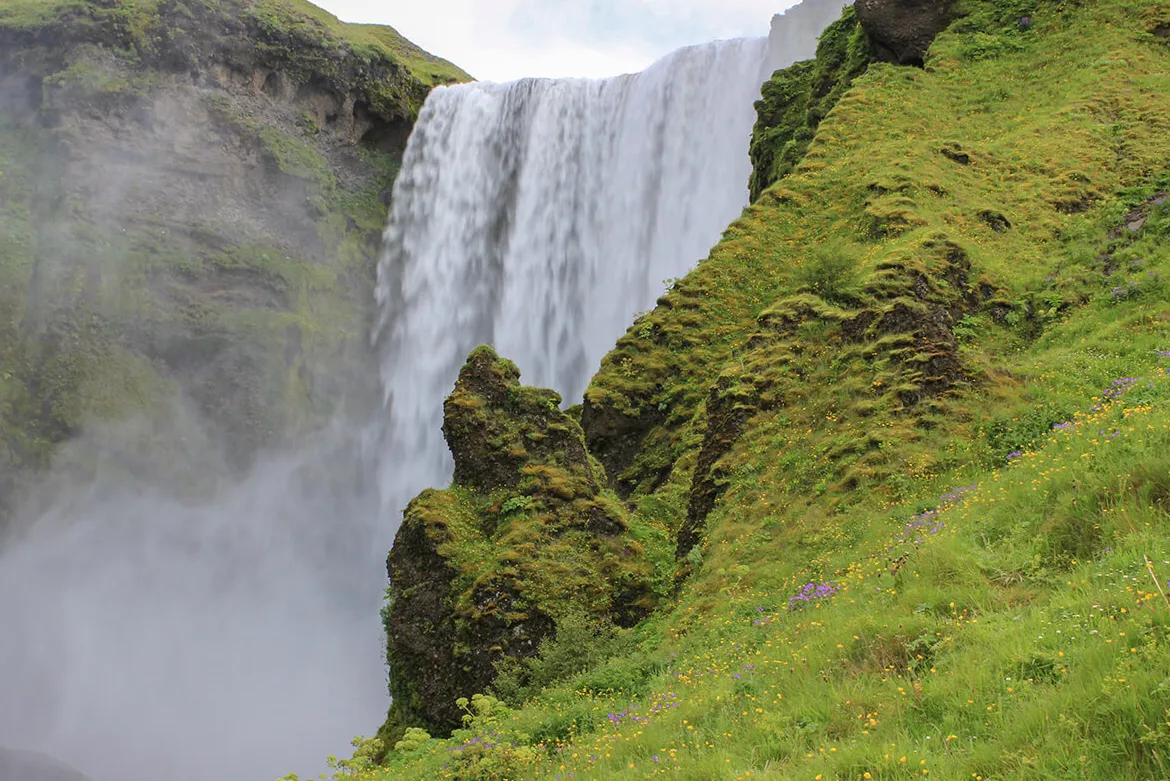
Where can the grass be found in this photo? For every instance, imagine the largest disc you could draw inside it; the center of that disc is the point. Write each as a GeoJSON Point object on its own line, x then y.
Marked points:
{"type": "Point", "coordinates": [426, 67]}
{"type": "Point", "coordinates": [914, 415]}
{"type": "Point", "coordinates": [136, 16]}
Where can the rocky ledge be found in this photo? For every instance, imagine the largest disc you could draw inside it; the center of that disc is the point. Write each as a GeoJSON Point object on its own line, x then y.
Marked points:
{"type": "Point", "coordinates": [484, 571]}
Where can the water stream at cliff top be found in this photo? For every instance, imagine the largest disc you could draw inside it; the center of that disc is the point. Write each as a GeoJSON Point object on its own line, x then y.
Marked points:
{"type": "Point", "coordinates": [541, 216]}
{"type": "Point", "coordinates": [146, 637]}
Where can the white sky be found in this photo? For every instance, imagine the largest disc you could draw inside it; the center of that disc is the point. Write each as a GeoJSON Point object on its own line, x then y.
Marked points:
{"type": "Point", "coordinates": [501, 40]}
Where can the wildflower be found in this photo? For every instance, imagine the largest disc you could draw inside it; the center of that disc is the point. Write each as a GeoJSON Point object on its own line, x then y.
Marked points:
{"type": "Point", "coordinates": [813, 591]}
{"type": "Point", "coordinates": [1117, 388]}
{"type": "Point", "coordinates": [1122, 292]}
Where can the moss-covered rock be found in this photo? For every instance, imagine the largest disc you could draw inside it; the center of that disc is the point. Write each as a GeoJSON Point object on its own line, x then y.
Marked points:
{"type": "Point", "coordinates": [483, 572]}
{"type": "Point", "coordinates": [797, 98]}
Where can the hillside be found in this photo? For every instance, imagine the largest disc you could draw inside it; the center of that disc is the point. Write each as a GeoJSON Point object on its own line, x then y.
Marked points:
{"type": "Point", "coordinates": [897, 452]}
{"type": "Point", "coordinates": [191, 200]}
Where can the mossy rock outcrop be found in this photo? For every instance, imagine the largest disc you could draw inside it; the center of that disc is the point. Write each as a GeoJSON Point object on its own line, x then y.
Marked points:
{"type": "Point", "coordinates": [795, 100]}
{"type": "Point", "coordinates": [483, 571]}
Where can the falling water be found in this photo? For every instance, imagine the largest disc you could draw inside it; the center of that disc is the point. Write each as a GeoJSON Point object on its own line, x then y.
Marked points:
{"type": "Point", "coordinates": [540, 216]}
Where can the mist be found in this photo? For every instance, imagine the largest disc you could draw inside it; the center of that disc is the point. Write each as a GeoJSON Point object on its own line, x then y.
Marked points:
{"type": "Point", "coordinates": [191, 592]}
{"type": "Point", "coordinates": [149, 637]}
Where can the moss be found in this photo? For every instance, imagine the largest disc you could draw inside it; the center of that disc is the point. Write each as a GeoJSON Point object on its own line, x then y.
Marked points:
{"type": "Point", "coordinates": [641, 405]}
{"type": "Point", "coordinates": [96, 83]}
{"type": "Point", "coordinates": [797, 98]}
{"type": "Point", "coordinates": [297, 159]}
{"type": "Point", "coordinates": [886, 525]}
{"type": "Point", "coordinates": [138, 44]}
{"type": "Point", "coordinates": [527, 537]}
{"type": "Point", "coordinates": [374, 42]}
{"type": "Point", "coordinates": [297, 34]}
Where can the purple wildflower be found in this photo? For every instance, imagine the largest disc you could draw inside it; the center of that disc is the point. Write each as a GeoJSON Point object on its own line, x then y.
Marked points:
{"type": "Point", "coordinates": [813, 591]}
{"type": "Point", "coordinates": [1117, 388]}
{"type": "Point", "coordinates": [1128, 290]}
{"type": "Point", "coordinates": [955, 494]}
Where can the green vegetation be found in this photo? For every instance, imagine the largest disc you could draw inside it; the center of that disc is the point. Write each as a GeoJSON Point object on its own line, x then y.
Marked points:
{"type": "Point", "coordinates": [526, 545]}
{"type": "Point", "coordinates": [797, 98]}
{"type": "Point", "coordinates": [242, 283]}
{"type": "Point", "coordinates": [910, 425]}
{"type": "Point", "coordinates": [370, 40]}
{"type": "Point", "coordinates": [298, 29]}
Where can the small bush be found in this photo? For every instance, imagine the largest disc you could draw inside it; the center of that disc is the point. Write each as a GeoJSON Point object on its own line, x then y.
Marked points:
{"type": "Point", "coordinates": [832, 273]}
{"type": "Point", "coordinates": [580, 643]}
{"type": "Point", "coordinates": [414, 739]}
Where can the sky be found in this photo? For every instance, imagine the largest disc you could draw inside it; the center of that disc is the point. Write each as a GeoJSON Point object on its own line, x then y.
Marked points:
{"type": "Point", "coordinates": [501, 40]}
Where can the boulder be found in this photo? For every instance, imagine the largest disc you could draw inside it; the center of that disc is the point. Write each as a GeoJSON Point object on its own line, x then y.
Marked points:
{"type": "Point", "coordinates": [902, 30]}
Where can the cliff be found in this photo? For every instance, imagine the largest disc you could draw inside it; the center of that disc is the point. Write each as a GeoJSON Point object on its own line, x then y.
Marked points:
{"type": "Point", "coordinates": [191, 196]}
{"type": "Point", "coordinates": [906, 430]}
{"type": "Point", "coordinates": [483, 575]}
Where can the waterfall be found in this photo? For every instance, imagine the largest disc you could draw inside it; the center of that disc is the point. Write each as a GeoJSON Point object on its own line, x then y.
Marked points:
{"type": "Point", "coordinates": [541, 216]}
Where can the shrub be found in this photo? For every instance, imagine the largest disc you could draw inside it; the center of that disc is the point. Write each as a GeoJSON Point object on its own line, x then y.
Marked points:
{"type": "Point", "coordinates": [830, 272]}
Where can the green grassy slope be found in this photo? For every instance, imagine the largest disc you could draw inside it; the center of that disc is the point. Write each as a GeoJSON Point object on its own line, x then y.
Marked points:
{"type": "Point", "coordinates": [910, 425]}
{"type": "Point", "coordinates": [289, 17]}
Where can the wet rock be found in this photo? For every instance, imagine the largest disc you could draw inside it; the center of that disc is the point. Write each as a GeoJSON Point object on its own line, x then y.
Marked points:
{"type": "Point", "coordinates": [1136, 219]}
{"type": "Point", "coordinates": [729, 407]}
{"type": "Point", "coordinates": [494, 425]}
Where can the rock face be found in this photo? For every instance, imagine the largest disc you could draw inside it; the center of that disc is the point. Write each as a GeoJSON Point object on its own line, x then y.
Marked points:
{"type": "Point", "coordinates": [483, 571]}
{"type": "Point", "coordinates": [902, 30]}
{"type": "Point", "coordinates": [191, 198]}
{"type": "Point", "coordinates": [30, 766]}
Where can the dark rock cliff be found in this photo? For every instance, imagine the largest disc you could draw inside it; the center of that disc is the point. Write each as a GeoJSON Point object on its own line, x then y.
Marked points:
{"type": "Point", "coordinates": [191, 195]}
